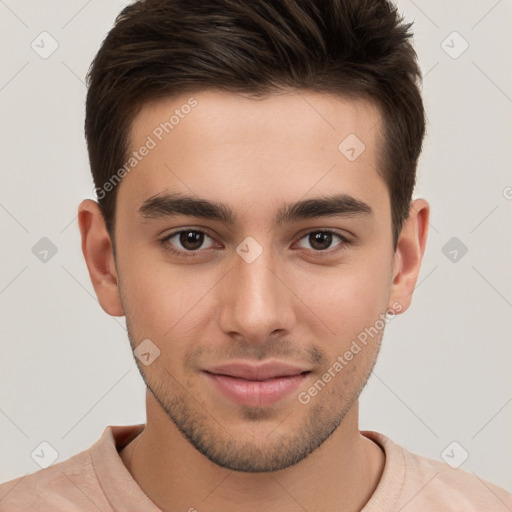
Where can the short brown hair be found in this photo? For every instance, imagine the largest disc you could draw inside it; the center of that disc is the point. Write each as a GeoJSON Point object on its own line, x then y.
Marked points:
{"type": "Point", "coordinates": [354, 48]}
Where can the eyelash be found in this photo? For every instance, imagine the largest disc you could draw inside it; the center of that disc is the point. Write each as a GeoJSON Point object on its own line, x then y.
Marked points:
{"type": "Point", "coordinates": [168, 247]}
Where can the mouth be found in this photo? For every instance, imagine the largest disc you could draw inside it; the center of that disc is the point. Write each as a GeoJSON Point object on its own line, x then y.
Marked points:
{"type": "Point", "coordinates": [256, 385]}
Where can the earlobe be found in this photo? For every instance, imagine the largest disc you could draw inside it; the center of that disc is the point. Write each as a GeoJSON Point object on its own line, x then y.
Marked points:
{"type": "Point", "coordinates": [98, 254]}
{"type": "Point", "coordinates": [409, 254]}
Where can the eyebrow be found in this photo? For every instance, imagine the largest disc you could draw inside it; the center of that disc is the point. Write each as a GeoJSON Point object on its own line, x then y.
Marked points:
{"type": "Point", "coordinates": [164, 205]}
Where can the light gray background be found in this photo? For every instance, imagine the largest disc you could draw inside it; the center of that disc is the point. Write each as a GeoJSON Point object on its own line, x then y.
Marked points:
{"type": "Point", "coordinates": [444, 372]}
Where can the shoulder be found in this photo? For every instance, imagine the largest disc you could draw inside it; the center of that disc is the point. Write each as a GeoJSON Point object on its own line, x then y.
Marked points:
{"type": "Point", "coordinates": [422, 484]}
{"type": "Point", "coordinates": [66, 486]}
{"type": "Point", "coordinates": [437, 482]}
{"type": "Point", "coordinates": [80, 483]}
{"type": "Point", "coordinates": [71, 485]}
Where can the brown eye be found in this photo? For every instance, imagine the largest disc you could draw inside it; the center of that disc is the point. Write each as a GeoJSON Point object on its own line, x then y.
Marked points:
{"type": "Point", "coordinates": [186, 241]}
{"type": "Point", "coordinates": [321, 240]}
{"type": "Point", "coordinates": [191, 240]}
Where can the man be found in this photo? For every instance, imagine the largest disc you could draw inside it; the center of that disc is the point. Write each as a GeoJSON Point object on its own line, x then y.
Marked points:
{"type": "Point", "coordinates": [254, 165]}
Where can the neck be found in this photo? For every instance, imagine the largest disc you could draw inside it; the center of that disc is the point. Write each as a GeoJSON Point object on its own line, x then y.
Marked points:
{"type": "Point", "coordinates": [341, 474]}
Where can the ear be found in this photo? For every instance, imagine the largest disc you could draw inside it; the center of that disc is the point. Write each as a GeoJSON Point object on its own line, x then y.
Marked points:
{"type": "Point", "coordinates": [408, 255]}
{"type": "Point", "coordinates": [99, 257]}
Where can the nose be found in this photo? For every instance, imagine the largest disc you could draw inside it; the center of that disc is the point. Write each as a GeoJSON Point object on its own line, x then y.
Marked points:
{"type": "Point", "coordinates": [256, 301]}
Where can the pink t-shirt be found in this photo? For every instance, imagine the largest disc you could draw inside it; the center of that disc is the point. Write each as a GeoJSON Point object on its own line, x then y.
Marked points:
{"type": "Point", "coordinates": [96, 479]}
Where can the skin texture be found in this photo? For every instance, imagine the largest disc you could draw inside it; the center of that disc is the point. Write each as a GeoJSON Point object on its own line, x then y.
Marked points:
{"type": "Point", "coordinates": [293, 303]}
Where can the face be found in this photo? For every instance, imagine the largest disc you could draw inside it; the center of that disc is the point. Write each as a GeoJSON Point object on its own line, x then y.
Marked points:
{"type": "Point", "coordinates": [256, 254]}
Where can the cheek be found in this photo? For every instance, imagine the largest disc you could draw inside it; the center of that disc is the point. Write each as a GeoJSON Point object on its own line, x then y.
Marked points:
{"type": "Point", "coordinates": [163, 300]}
{"type": "Point", "coordinates": [348, 298]}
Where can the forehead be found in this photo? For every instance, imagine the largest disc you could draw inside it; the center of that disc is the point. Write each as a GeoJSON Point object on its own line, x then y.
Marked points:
{"type": "Point", "coordinates": [239, 149]}
{"type": "Point", "coordinates": [280, 118]}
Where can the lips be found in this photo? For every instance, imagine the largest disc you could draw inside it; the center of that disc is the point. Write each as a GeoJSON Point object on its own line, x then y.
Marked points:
{"type": "Point", "coordinates": [264, 371]}
{"type": "Point", "coordinates": [256, 385]}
